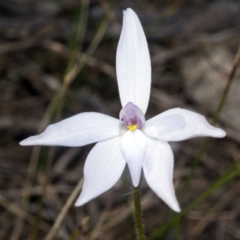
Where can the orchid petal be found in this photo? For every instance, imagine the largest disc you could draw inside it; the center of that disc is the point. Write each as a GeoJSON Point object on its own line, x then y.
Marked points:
{"type": "Point", "coordinates": [103, 168]}
{"type": "Point", "coordinates": [133, 146]}
{"type": "Point", "coordinates": [158, 171]}
{"type": "Point", "coordinates": [133, 63]}
{"type": "Point", "coordinates": [179, 124]}
{"type": "Point", "coordinates": [79, 130]}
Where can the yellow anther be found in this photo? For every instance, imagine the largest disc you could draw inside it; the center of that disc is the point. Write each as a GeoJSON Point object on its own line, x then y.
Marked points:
{"type": "Point", "coordinates": [132, 127]}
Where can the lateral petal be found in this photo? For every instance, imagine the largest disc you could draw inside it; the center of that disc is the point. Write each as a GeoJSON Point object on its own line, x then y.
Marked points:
{"type": "Point", "coordinates": [103, 168]}
{"type": "Point", "coordinates": [133, 147]}
{"type": "Point", "coordinates": [133, 63]}
{"type": "Point", "coordinates": [179, 124]}
{"type": "Point", "coordinates": [79, 130]}
{"type": "Point", "coordinates": [158, 171]}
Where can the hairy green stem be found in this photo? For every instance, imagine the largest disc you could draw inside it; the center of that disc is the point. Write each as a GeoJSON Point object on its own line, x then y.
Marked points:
{"type": "Point", "coordinates": [138, 214]}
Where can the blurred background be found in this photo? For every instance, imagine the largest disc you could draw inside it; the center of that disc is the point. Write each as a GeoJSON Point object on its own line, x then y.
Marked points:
{"type": "Point", "coordinates": [57, 59]}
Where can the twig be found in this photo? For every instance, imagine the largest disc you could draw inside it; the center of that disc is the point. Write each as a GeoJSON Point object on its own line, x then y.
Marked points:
{"type": "Point", "coordinates": [64, 211]}
{"type": "Point", "coordinates": [13, 208]}
{"type": "Point", "coordinates": [94, 44]}
{"type": "Point", "coordinates": [81, 57]}
{"type": "Point", "coordinates": [101, 220]}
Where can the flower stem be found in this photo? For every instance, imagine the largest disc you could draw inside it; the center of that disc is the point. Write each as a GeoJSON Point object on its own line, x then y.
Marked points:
{"type": "Point", "coordinates": [138, 214]}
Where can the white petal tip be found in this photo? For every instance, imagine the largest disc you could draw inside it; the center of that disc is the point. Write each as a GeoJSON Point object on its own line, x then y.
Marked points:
{"type": "Point", "coordinates": [34, 140]}
{"type": "Point", "coordinates": [221, 133]}
{"type": "Point", "coordinates": [173, 204]}
{"type": "Point", "coordinates": [80, 202]}
{"type": "Point", "coordinates": [213, 131]}
{"type": "Point", "coordinates": [77, 204]}
{"type": "Point", "coordinates": [216, 132]}
{"type": "Point", "coordinates": [135, 184]}
{"type": "Point", "coordinates": [26, 142]}
{"type": "Point", "coordinates": [135, 179]}
{"type": "Point", "coordinates": [22, 143]}
{"type": "Point", "coordinates": [176, 208]}
{"type": "Point", "coordinates": [129, 10]}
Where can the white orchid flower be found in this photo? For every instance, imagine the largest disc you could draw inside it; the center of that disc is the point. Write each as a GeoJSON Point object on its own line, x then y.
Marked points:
{"type": "Point", "coordinates": [135, 142]}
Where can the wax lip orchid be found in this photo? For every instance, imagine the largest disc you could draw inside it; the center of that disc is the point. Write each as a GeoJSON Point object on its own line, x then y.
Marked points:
{"type": "Point", "coordinates": [138, 143]}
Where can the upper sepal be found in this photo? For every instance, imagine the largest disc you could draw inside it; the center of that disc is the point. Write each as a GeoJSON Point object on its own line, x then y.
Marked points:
{"type": "Point", "coordinates": [133, 63]}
